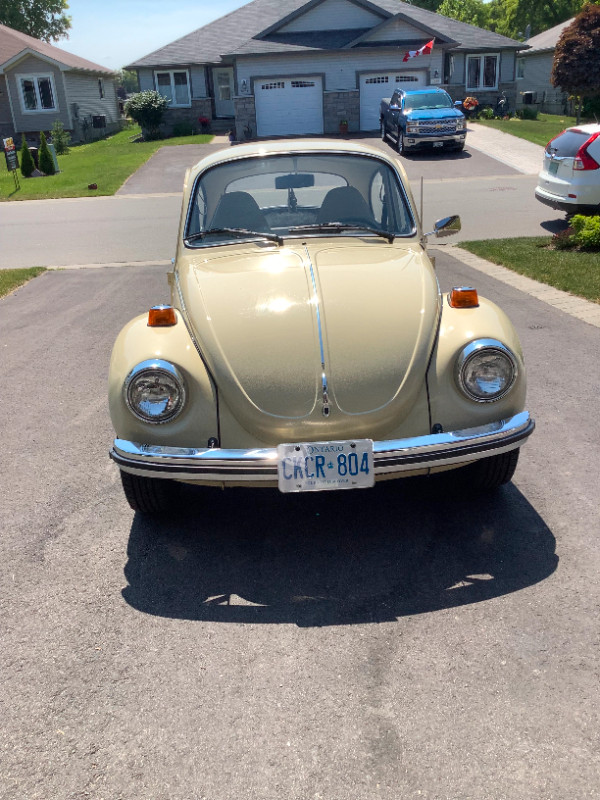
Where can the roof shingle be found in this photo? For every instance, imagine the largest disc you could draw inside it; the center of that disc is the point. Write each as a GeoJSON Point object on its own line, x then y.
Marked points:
{"type": "Point", "coordinates": [14, 42]}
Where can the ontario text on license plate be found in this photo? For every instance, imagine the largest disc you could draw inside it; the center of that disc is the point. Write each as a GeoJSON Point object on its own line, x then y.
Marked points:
{"type": "Point", "coordinates": [315, 466]}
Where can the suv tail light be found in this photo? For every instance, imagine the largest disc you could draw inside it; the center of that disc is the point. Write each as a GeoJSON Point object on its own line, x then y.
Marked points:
{"type": "Point", "coordinates": [583, 159]}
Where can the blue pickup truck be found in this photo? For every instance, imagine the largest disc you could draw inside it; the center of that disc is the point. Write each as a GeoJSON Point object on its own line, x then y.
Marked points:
{"type": "Point", "coordinates": [424, 117]}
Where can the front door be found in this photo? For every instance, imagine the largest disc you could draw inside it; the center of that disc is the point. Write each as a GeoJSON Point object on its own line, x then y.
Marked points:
{"type": "Point", "coordinates": [223, 86]}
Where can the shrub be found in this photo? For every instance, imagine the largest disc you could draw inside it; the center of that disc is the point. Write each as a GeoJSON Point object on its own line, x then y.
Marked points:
{"type": "Point", "coordinates": [527, 112]}
{"type": "Point", "coordinates": [60, 138]}
{"type": "Point", "coordinates": [486, 113]}
{"type": "Point", "coordinates": [147, 109]}
{"type": "Point", "coordinates": [27, 162]}
{"type": "Point", "coordinates": [45, 159]}
{"type": "Point", "coordinates": [183, 129]}
{"type": "Point", "coordinates": [586, 232]}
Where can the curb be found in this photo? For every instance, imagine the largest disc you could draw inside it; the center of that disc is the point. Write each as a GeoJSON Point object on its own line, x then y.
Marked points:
{"type": "Point", "coordinates": [576, 307]}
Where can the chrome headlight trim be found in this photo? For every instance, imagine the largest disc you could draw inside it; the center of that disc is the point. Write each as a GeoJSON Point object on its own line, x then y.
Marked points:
{"type": "Point", "coordinates": [474, 348]}
{"type": "Point", "coordinates": [157, 367]}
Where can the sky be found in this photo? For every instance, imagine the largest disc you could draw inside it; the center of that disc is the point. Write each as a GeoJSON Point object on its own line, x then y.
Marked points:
{"type": "Point", "coordinates": [114, 33]}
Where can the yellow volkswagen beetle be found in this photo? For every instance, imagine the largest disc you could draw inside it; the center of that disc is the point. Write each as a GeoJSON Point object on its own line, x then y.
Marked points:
{"type": "Point", "coordinates": [308, 345]}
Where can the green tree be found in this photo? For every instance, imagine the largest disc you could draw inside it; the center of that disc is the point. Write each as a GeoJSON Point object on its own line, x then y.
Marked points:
{"type": "Point", "coordinates": [513, 18]}
{"type": "Point", "coordinates": [60, 138]}
{"type": "Point", "coordinates": [576, 66]}
{"type": "Point", "coordinates": [429, 5]}
{"type": "Point", "coordinates": [45, 159]}
{"type": "Point", "coordinates": [42, 19]}
{"type": "Point", "coordinates": [26, 159]}
{"type": "Point", "coordinates": [475, 12]}
{"type": "Point", "coordinates": [128, 79]}
{"type": "Point", "coordinates": [147, 109]}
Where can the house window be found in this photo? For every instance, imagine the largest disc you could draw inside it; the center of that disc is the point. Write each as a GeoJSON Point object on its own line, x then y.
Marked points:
{"type": "Point", "coordinates": [520, 67]}
{"type": "Point", "coordinates": [378, 79]}
{"type": "Point", "coordinates": [175, 86]}
{"type": "Point", "coordinates": [302, 84]}
{"type": "Point", "coordinates": [37, 93]}
{"type": "Point", "coordinates": [101, 88]}
{"type": "Point", "coordinates": [273, 85]}
{"type": "Point", "coordinates": [482, 72]}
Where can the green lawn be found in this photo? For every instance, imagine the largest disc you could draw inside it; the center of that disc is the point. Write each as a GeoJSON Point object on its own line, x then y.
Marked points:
{"type": "Point", "coordinates": [569, 270]}
{"type": "Point", "coordinates": [11, 279]}
{"type": "Point", "coordinates": [108, 163]}
{"type": "Point", "coordinates": [539, 131]}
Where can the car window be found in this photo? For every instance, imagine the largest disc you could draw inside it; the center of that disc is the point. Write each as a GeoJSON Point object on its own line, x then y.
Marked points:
{"type": "Point", "coordinates": [427, 100]}
{"type": "Point", "coordinates": [278, 194]}
{"type": "Point", "coordinates": [567, 143]}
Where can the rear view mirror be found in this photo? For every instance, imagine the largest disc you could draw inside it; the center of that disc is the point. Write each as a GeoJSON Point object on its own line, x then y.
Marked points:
{"type": "Point", "coordinates": [297, 181]}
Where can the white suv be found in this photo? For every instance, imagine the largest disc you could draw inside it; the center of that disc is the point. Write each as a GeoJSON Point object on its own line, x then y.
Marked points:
{"type": "Point", "coordinates": [570, 176]}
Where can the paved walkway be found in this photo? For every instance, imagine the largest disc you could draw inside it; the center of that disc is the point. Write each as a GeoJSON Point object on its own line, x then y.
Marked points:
{"type": "Point", "coordinates": [510, 150]}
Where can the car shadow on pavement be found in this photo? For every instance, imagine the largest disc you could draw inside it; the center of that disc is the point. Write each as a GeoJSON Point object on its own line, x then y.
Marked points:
{"type": "Point", "coordinates": [334, 558]}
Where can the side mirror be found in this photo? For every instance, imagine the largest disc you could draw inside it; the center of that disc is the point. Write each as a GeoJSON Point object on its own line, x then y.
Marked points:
{"type": "Point", "coordinates": [394, 107]}
{"type": "Point", "coordinates": [458, 103]}
{"type": "Point", "coordinates": [446, 226]}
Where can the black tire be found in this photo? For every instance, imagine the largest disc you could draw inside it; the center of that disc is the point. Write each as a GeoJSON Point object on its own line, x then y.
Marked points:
{"type": "Point", "coordinates": [382, 131]}
{"type": "Point", "coordinates": [459, 148]}
{"type": "Point", "coordinates": [400, 143]}
{"type": "Point", "coordinates": [148, 495]}
{"type": "Point", "coordinates": [489, 473]}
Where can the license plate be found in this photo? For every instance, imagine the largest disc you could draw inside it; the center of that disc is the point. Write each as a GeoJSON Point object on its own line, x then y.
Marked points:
{"type": "Point", "coordinates": [318, 466]}
{"type": "Point", "coordinates": [438, 144]}
{"type": "Point", "coordinates": [553, 167]}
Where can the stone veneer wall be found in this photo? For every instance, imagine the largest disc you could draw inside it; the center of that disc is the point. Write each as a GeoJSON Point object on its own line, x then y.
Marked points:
{"type": "Point", "coordinates": [245, 117]}
{"type": "Point", "coordinates": [339, 105]}
{"type": "Point", "coordinates": [199, 108]}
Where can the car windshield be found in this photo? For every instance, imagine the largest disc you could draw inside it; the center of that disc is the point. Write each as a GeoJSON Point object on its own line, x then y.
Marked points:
{"type": "Point", "coordinates": [427, 100]}
{"type": "Point", "coordinates": [312, 194]}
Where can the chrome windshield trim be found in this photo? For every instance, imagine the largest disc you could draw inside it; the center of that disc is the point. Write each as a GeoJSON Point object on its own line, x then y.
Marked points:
{"type": "Point", "coordinates": [260, 464]}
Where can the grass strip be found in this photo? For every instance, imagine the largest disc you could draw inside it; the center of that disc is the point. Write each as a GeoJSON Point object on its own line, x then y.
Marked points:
{"type": "Point", "coordinates": [11, 279]}
{"type": "Point", "coordinates": [571, 271]}
{"type": "Point", "coordinates": [107, 163]}
{"type": "Point", "coordinates": [539, 131]}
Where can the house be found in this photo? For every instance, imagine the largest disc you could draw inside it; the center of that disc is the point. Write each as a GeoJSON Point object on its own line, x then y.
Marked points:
{"type": "Point", "coordinates": [281, 67]}
{"type": "Point", "coordinates": [40, 83]}
{"type": "Point", "coordinates": [534, 68]}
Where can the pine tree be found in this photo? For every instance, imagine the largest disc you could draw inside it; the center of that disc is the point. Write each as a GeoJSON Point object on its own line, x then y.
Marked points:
{"type": "Point", "coordinates": [27, 162]}
{"type": "Point", "coordinates": [45, 159]}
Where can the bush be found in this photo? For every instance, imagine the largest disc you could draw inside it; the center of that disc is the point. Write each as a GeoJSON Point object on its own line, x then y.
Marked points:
{"type": "Point", "coordinates": [527, 112]}
{"type": "Point", "coordinates": [591, 108]}
{"type": "Point", "coordinates": [586, 232]}
{"type": "Point", "coordinates": [183, 129]}
{"type": "Point", "coordinates": [60, 138]}
{"type": "Point", "coordinates": [147, 109]}
{"type": "Point", "coordinates": [27, 162]}
{"type": "Point", "coordinates": [486, 113]}
{"type": "Point", "coordinates": [45, 159]}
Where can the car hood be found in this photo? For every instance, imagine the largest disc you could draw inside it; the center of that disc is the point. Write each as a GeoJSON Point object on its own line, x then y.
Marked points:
{"type": "Point", "coordinates": [317, 335]}
{"type": "Point", "coordinates": [434, 113]}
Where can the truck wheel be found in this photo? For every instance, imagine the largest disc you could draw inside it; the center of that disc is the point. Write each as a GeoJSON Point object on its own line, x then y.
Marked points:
{"type": "Point", "coordinates": [489, 473]}
{"type": "Point", "coordinates": [148, 495]}
{"type": "Point", "coordinates": [382, 131]}
{"type": "Point", "coordinates": [400, 142]}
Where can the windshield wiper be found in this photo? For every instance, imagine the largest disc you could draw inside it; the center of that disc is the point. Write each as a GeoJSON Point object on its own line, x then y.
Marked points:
{"type": "Point", "coordinates": [338, 227]}
{"type": "Point", "coordinates": [272, 237]}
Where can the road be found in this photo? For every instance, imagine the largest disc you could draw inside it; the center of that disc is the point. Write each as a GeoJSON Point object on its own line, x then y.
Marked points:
{"type": "Point", "coordinates": [493, 199]}
{"type": "Point", "coordinates": [387, 643]}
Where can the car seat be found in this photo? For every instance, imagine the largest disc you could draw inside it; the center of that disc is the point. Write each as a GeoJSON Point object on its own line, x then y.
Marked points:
{"type": "Point", "coordinates": [239, 210]}
{"type": "Point", "coordinates": [345, 204]}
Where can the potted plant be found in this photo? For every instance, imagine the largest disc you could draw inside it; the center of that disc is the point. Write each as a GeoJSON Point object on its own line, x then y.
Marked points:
{"type": "Point", "coordinates": [343, 126]}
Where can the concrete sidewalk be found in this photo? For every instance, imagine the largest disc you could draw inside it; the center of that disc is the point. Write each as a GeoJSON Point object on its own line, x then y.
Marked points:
{"type": "Point", "coordinates": [510, 150]}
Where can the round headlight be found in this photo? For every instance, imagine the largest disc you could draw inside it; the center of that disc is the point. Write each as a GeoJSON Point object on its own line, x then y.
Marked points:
{"type": "Point", "coordinates": [486, 370]}
{"type": "Point", "coordinates": [155, 391]}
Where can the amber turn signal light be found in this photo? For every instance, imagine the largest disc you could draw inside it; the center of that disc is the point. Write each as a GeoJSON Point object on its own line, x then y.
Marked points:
{"type": "Point", "coordinates": [161, 317]}
{"type": "Point", "coordinates": [463, 297]}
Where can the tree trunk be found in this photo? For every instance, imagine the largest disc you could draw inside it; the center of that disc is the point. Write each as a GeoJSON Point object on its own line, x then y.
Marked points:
{"type": "Point", "coordinates": [579, 105]}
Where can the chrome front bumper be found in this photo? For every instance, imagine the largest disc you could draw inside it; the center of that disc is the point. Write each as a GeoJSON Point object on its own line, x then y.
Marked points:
{"type": "Point", "coordinates": [391, 458]}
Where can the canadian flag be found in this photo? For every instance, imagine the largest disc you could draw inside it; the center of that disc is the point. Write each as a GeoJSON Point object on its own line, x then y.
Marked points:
{"type": "Point", "coordinates": [422, 51]}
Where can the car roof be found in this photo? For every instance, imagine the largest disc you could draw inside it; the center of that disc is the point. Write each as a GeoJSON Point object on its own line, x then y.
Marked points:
{"type": "Point", "coordinates": [590, 127]}
{"type": "Point", "coordinates": [422, 90]}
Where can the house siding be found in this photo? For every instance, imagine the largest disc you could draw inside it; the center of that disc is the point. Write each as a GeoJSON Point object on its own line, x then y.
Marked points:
{"type": "Point", "coordinates": [340, 70]}
{"type": "Point", "coordinates": [536, 79]}
{"type": "Point", "coordinates": [146, 79]}
{"type": "Point", "coordinates": [85, 102]}
{"type": "Point", "coordinates": [456, 83]}
{"type": "Point", "coordinates": [332, 15]}
{"type": "Point", "coordinates": [33, 123]}
{"type": "Point", "coordinates": [6, 122]}
{"type": "Point", "coordinates": [396, 29]}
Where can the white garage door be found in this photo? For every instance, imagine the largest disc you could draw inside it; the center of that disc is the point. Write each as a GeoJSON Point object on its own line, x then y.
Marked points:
{"type": "Point", "coordinates": [289, 106]}
{"type": "Point", "coordinates": [374, 86]}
